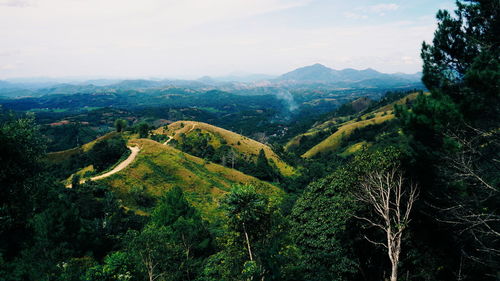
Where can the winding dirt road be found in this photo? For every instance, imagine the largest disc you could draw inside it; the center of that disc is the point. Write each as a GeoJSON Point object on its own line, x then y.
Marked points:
{"type": "Point", "coordinates": [134, 149]}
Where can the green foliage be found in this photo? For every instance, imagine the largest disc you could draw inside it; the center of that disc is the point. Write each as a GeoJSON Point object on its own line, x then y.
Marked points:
{"type": "Point", "coordinates": [117, 267]}
{"type": "Point", "coordinates": [452, 135]}
{"type": "Point", "coordinates": [246, 209]}
{"type": "Point", "coordinates": [75, 181]}
{"type": "Point", "coordinates": [120, 125]}
{"type": "Point", "coordinates": [182, 236]}
{"type": "Point", "coordinates": [153, 253]}
{"type": "Point", "coordinates": [21, 148]}
{"type": "Point", "coordinates": [254, 244]}
{"type": "Point", "coordinates": [263, 170]}
{"type": "Point", "coordinates": [143, 130]}
{"type": "Point", "coordinates": [324, 229]}
{"type": "Point", "coordinates": [319, 220]}
{"type": "Point", "coordinates": [107, 152]}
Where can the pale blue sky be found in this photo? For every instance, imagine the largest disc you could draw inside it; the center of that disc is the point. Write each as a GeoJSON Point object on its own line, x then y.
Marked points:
{"type": "Point", "coordinates": [191, 38]}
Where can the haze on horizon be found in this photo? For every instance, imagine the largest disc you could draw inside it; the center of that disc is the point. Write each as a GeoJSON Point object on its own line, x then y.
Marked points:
{"type": "Point", "coordinates": [193, 38]}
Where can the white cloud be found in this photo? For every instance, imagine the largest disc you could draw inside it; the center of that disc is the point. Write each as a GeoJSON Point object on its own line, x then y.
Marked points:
{"type": "Point", "coordinates": [382, 8]}
{"type": "Point", "coordinates": [194, 38]}
{"type": "Point", "coordinates": [365, 11]}
{"type": "Point", "coordinates": [15, 3]}
{"type": "Point", "coordinates": [356, 16]}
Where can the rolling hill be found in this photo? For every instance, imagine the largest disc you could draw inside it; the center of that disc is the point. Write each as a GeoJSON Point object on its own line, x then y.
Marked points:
{"type": "Point", "coordinates": [220, 136]}
{"type": "Point", "coordinates": [159, 167]}
{"type": "Point", "coordinates": [65, 155]}
{"type": "Point", "coordinates": [345, 126]}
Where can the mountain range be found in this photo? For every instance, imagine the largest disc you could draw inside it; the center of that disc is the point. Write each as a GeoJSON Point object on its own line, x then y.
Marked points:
{"type": "Point", "coordinates": [316, 75]}
{"type": "Point", "coordinates": [319, 73]}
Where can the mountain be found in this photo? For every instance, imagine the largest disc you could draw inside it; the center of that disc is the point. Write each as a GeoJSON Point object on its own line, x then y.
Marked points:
{"type": "Point", "coordinates": [318, 73]}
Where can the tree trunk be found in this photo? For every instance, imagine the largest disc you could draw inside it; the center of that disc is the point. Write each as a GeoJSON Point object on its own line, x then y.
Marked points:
{"type": "Point", "coordinates": [248, 242]}
{"type": "Point", "coordinates": [394, 272]}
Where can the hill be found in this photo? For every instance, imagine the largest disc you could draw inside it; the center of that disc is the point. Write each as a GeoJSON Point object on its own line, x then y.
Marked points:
{"type": "Point", "coordinates": [60, 157]}
{"type": "Point", "coordinates": [159, 167]}
{"type": "Point", "coordinates": [340, 128]}
{"type": "Point", "coordinates": [218, 136]}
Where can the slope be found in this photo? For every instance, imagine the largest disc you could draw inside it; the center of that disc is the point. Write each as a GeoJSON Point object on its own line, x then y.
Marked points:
{"type": "Point", "coordinates": [346, 128]}
{"type": "Point", "coordinates": [158, 167]}
{"type": "Point", "coordinates": [65, 155]}
{"type": "Point", "coordinates": [220, 136]}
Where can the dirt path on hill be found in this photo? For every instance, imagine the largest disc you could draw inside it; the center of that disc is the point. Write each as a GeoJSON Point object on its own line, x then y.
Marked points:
{"type": "Point", "coordinates": [171, 138]}
{"type": "Point", "coordinates": [134, 149]}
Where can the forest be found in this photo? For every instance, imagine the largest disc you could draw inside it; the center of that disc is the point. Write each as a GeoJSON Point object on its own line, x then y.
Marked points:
{"type": "Point", "coordinates": [402, 185]}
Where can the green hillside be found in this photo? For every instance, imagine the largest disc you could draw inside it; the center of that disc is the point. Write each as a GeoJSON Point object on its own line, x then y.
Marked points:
{"type": "Point", "coordinates": [65, 155]}
{"type": "Point", "coordinates": [219, 136]}
{"type": "Point", "coordinates": [160, 167]}
{"type": "Point", "coordinates": [344, 126]}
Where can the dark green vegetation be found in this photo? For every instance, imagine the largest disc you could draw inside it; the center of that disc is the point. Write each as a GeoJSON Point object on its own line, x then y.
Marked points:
{"type": "Point", "coordinates": [101, 154]}
{"type": "Point", "coordinates": [315, 223]}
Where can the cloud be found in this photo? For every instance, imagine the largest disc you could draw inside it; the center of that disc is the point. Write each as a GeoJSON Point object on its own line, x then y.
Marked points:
{"type": "Point", "coordinates": [365, 11]}
{"type": "Point", "coordinates": [15, 3]}
{"type": "Point", "coordinates": [382, 8]}
{"type": "Point", "coordinates": [356, 16]}
{"type": "Point", "coordinates": [192, 38]}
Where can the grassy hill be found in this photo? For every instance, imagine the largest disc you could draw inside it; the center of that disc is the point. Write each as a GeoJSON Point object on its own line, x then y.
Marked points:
{"type": "Point", "coordinates": [159, 167]}
{"type": "Point", "coordinates": [344, 126]}
{"type": "Point", "coordinates": [65, 155]}
{"type": "Point", "coordinates": [335, 140]}
{"type": "Point", "coordinates": [220, 136]}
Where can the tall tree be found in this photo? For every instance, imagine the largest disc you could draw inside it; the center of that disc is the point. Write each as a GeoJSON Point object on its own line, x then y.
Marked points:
{"type": "Point", "coordinates": [120, 125]}
{"type": "Point", "coordinates": [392, 201]}
{"type": "Point", "coordinates": [21, 148]}
{"type": "Point", "coordinates": [186, 229]}
{"type": "Point", "coordinates": [454, 136]}
{"type": "Point", "coordinates": [143, 129]}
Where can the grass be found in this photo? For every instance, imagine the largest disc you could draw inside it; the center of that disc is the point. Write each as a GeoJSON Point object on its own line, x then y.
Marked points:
{"type": "Point", "coordinates": [345, 127]}
{"type": "Point", "coordinates": [62, 156]}
{"type": "Point", "coordinates": [240, 143]}
{"type": "Point", "coordinates": [334, 141]}
{"type": "Point", "coordinates": [159, 167]}
{"type": "Point", "coordinates": [350, 150]}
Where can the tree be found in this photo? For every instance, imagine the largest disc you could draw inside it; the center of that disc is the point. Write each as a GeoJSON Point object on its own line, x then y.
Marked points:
{"type": "Point", "coordinates": [153, 252]}
{"type": "Point", "coordinates": [263, 169]}
{"type": "Point", "coordinates": [247, 212]}
{"type": "Point", "coordinates": [143, 130]}
{"type": "Point", "coordinates": [186, 229]}
{"type": "Point", "coordinates": [454, 135]}
{"type": "Point", "coordinates": [120, 125]}
{"type": "Point", "coordinates": [75, 181]}
{"type": "Point", "coordinates": [319, 219]}
{"type": "Point", "coordinates": [324, 226]}
{"type": "Point", "coordinates": [21, 149]}
{"type": "Point", "coordinates": [392, 201]}
{"type": "Point", "coordinates": [106, 152]}
{"type": "Point", "coordinates": [249, 220]}
{"type": "Point", "coordinates": [463, 61]}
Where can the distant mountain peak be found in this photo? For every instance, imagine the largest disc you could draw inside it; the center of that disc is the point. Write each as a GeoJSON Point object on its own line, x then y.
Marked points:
{"type": "Point", "coordinates": [319, 73]}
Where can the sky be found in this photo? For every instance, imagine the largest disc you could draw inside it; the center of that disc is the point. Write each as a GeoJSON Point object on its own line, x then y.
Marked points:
{"type": "Point", "coordinates": [193, 38]}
